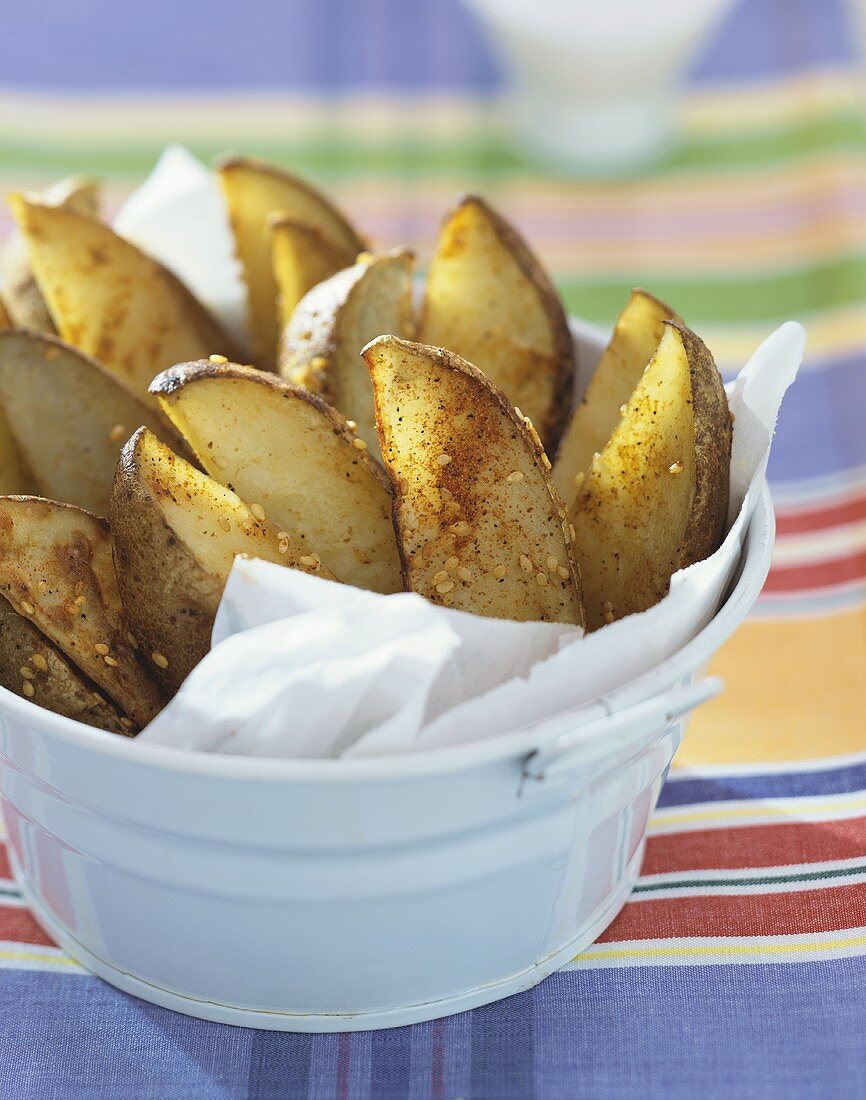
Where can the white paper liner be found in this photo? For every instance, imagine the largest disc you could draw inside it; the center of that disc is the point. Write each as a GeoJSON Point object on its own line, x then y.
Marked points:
{"type": "Point", "coordinates": [303, 667]}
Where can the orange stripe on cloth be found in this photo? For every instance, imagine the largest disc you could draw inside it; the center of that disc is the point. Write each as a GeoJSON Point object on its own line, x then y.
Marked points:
{"type": "Point", "coordinates": [795, 689]}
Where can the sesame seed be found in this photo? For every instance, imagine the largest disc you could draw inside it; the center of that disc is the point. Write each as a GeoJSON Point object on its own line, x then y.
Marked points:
{"type": "Point", "coordinates": [352, 425]}
{"type": "Point", "coordinates": [448, 600]}
{"type": "Point", "coordinates": [519, 413]}
{"type": "Point", "coordinates": [545, 461]}
{"type": "Point", "coordinates": [27, 672]}
{"type": "Point", "coordinates": [562, 572]}
{"type": "Point", "coordinates": [441, 577]}
{"type": "Point", "coordinates": [444, 587]}
{"type": "Point", "coordinates": [572, 531]}
{"type": "Point", "coordinates": [514, 476]}
{"type": "Point", "coordinates": [526, 564]}
{"type": "Point", "coordinates": [359, 444]}
{"type": "Point", "coordinates": [110, 661]}
{"type": "Point", "coordinates": [131, 638]}
{"type": "Point", "coordinates": [42, 586]}
{"type": "Point", "coordinates": [499, 571]}
{"type": "Point", "coordinates": [220, 463]}
{"type": "Point", "coordinates": [452, 563]}
{"type": "Point", "coordinates": [283, 544]}
{"type": "Point", "coordinates": [125, 722]}
{"type": "Point", "coordinates": [461, 527]}
{"type": "Point", "coordinates": [578, 480]}
{"type": "Point", "coordinates": [607, 608]}
{"type": "Point", "coordinates": [79, 600]}
{"type": "Point", "coordinates": [257, 511]}
{"type": "Point", "coordinates": [217, 358]}
{"type": "Point", "coordinates": [102, 649]}
{"type": "Point", "coordinates": [541, 579]}
{"type": "Point", "coordinates": [622, 410]}
{"type": "Point", "coordinates": [308, 560]}
{"type": "Point", "coordinates": [596, 455]}
{"type": "Point", "coordinates": [225, 523]}
{"type": "Point", "coordinates": [552, 563]}
{"type": "Point", "coordinates": [159, 659]}
{"type": "Point", "coordinates": [28, 689]}
{"type": "Point", "coordinates": [97, 699]}
{"type": "Point", "coordinates": [27, 607]}
{"type": "Point", "coordinates": [675, 468]}
{"type": "Point", "coordinates": [39, 662]}
{"type": "Point", "coordinates": [116, 433]}
{"type": "Point", "coordinates": [464, 574]}
{"type": "Point", "coordinates": [443, 459]}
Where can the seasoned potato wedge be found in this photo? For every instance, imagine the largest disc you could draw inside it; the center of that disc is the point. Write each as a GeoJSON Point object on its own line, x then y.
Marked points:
{"type": "Point", "coordinates": [34, 668]}
{"type": "Point", "coordinates": [69, 418]}
{"type": "Point", "coordinates": [321, 345]}
{"type": "Point", "coordinates": [479, 523]}
{"type": "Point", "coordinates": [56, 570]}
{"type": "Point", "coordinates": [656, 498]}
{"type": "Point", "coordinates": [302, 256]}
{"type": "Point", "coordinates": [300, 462]}
{"type": "Point", "coordinates": [176, 535]}
{"type": "Point", "coordinates": [253, 190]}
{"type": "Point", "coordinates": [26, 304]}
{"type": "Point", "coordinates": [637, 333]}
{"type": "Point", "coordinates": [110, 300]}
{"type": "Point", "coordinates": [489, 300]}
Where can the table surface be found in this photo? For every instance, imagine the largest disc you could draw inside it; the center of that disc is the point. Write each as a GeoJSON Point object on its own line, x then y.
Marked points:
{"type": "Point", "coordinates": [738, 967]}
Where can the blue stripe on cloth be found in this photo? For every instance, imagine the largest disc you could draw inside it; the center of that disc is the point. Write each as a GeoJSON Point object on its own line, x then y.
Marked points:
{"type": "Point", "coordinates": [677, 1032]}
{"type": "Point", "coordinates": [820, 428]}
{"type": "Point", "coordinates": [729, 788]}
{"type": "Point", "coordinates": [774, 1031]}
{"type": "Point", "coordinates": [344, 45]}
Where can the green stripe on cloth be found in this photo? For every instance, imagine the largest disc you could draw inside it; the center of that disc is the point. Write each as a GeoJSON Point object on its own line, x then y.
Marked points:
{"type": "Point", "coordinates": [742, 300]}
{"type": "Point", "coordinates": [756, 880]}
{"type": "Point", "coordinates": [485, 153]}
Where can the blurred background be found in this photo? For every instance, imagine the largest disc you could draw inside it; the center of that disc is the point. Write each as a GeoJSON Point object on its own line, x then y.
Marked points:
{"type": "Point", "coordinates": [713, 152]}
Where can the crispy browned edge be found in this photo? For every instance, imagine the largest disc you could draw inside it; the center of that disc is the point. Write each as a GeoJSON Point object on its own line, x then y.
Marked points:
{"type": "Point", "coordinates": [551, 430]}
{"type": "Point", "coordinates": [172, 438]}
{"type": "Point", "coordinates": [449, 360]}
{"type": "Point", "coordinates": [227, 161]}
{"type": "Point", "coordinates": [104, 524]}
{"type": "Point", "coordinates": [182, 374]}
{"type": "Point", "coordinates": [15, 629]}
{"type": "Point", "coordinates": [713, 436]}
{"type": "Point", "coordinates": [203, 316]}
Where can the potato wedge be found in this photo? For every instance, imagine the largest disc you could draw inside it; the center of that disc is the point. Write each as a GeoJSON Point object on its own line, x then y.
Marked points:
{"type": "Point", "coordinates": [253, 190]}
{"type": "Point", "coordinates": [110, 300]}
{"type": "Point", "coordinates": [69, 418]}
{"type": "Point", "coordinates": [176, 535]}
{"type": "Point", "coordinates": [309, 472]}
{"type": "Point", "coordinates": [5, 320]}
{"type": "Point", "coordinates": [637, 333]}
{"type": "Point", "coordinates": [321, 346]}
{"type": "Point", "coordinates": [479, 524]}
{"type": "Point", "coordinates": [489, 300]}
{"type": "Point", "coordinates": [302, 257]}
{"type": "Point", "coordinates": [26, 304]}
{"type": "Point", "coordinates": [656, 498]}
{"type": "Point", "coordinates": [35, 669]}
{"type": "Point", "coordinates": [56, 570]}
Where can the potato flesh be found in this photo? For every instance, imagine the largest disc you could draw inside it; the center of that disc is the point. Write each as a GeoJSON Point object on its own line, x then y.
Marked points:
{"type": "Point", "coordinates": [253, 191]}
{"type": "Point", "coordinates": [110, 300]}
{"type": "Point", "coordinates": [15, 475]}
{"type": "Point", "coordinates": [56, 569]}
{"type": "Point", "coordinates": [321, 346]}
{"type": "Point", "coordinates": [53, 682]}
{"type": "Point", "coordinates": [634, 506]}
{"type": "Point", "coordinates": [302, 257]}
{"type": "Point", "coordinates": [635, 338]}
{"type": "Point", "coordinates": [69, 418]}
{"type": "Point", "coordinates": [482, 303]}
{"type": "Point", "coordinates": [479, 524]}
{"type": "Point", "coordinates": [28, 307]}
{"type": "Point", "coordinates": [300, 464]}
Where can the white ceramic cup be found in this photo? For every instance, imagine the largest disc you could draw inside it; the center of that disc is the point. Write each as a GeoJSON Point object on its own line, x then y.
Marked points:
{"type": "Point", "coordinates": [593, 83]}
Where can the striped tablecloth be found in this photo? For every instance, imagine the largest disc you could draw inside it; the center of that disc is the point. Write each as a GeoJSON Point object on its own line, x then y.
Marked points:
{"type": "Point", "coordinates": [738, 968]}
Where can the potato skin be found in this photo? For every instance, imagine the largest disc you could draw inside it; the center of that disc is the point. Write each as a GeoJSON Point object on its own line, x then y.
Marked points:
{"type": "Point", "coordinates": [58, 686]}
{"type": "Point", "coordinates": [713, 440]}
{"type": "Point", "coordinates": [169, 600]}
